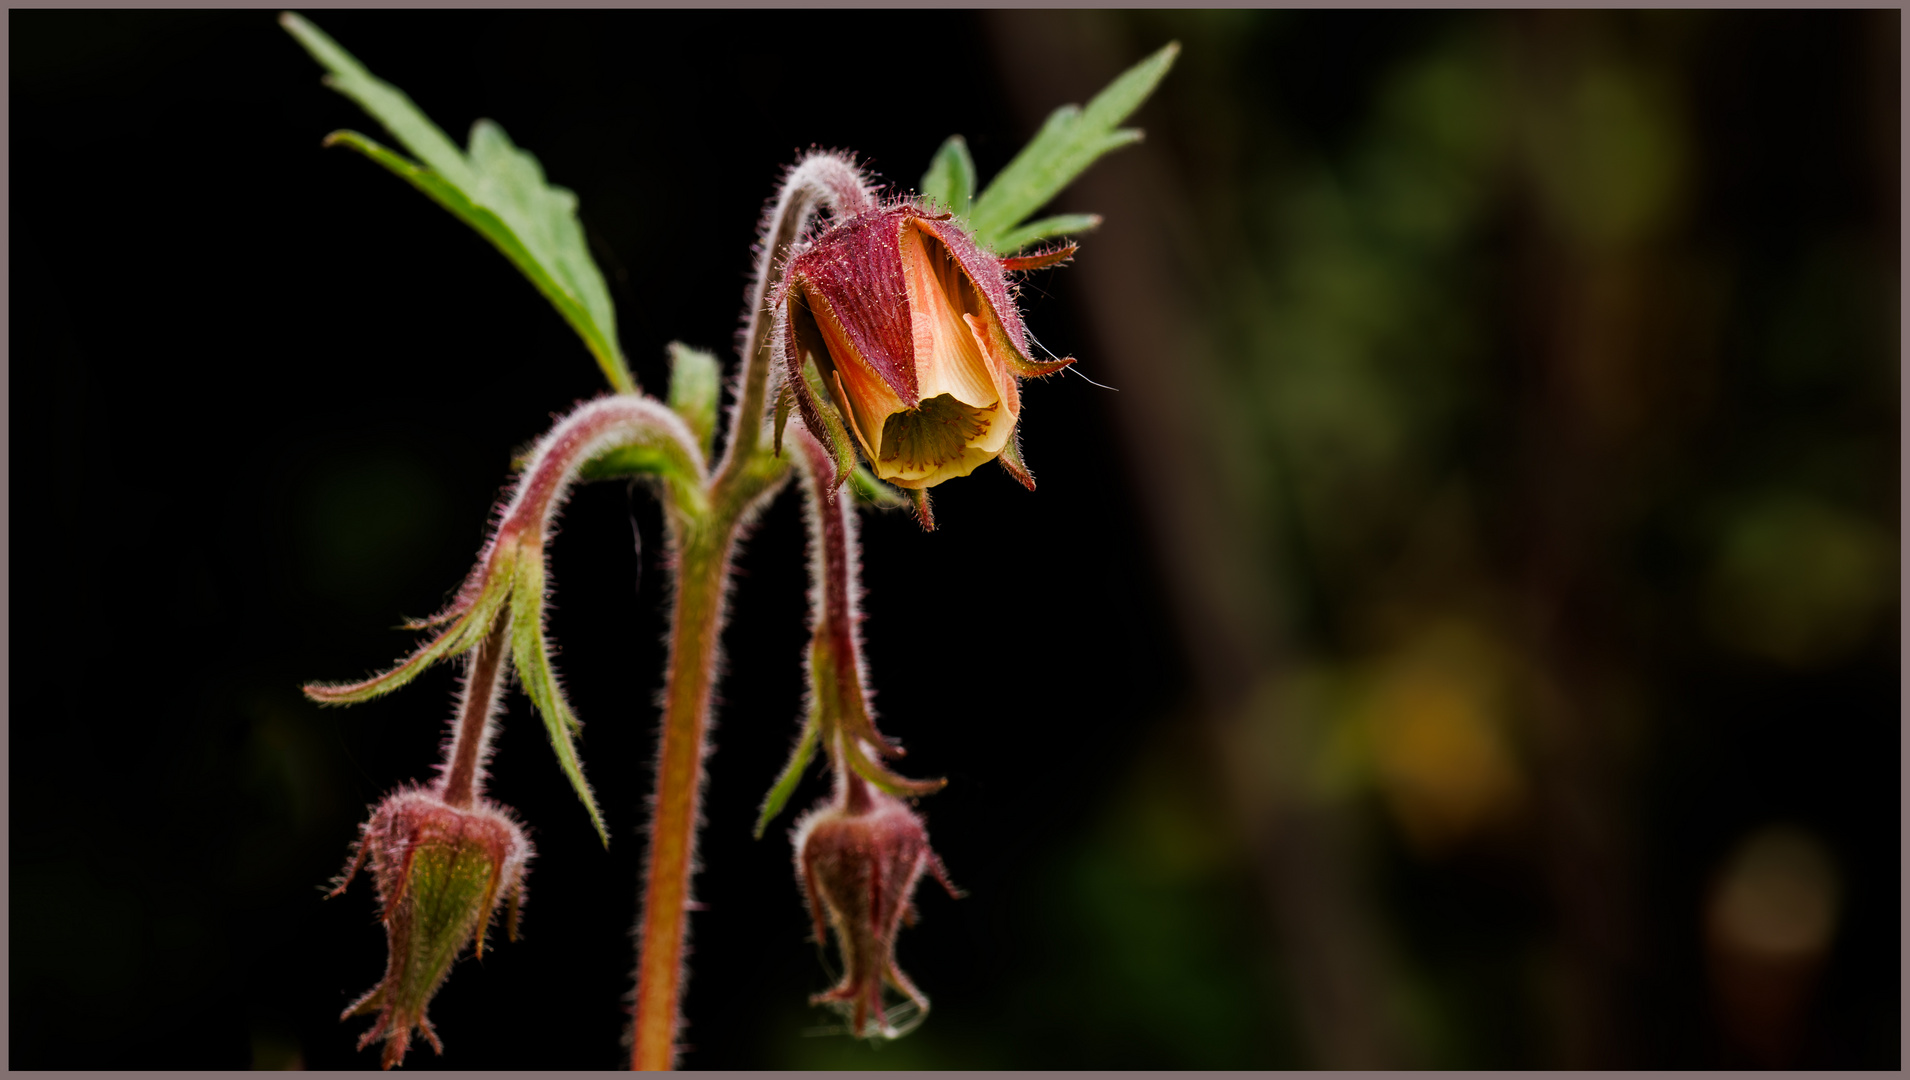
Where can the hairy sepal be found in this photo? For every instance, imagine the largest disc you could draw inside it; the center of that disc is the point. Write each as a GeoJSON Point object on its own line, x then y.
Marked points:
{"type": "Point", "coordinates": [466, 631]}
{"type": "Point", "coordinates": [870, 491]}
{"type": "Point", "coordinates": [790, 777]}
{"type": "Point", "coordinates": [1047, 229]}
{"type": "Point", "coordinates": [834, 437]}
{"type": "Point", "coordinates": [881, 777]}
{"type": "Point", "coordinates": [924, 509]}
{"type": "Point", "coordinates": [1040, 259]}
{"type": "Point", "coordinates": [1011, 461]}
{"type": "Point", "coordinates": [530, 653]}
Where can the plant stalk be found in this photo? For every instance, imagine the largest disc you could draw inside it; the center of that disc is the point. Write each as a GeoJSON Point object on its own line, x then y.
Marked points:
{"type": "Point", "coordinates": [696, 624]}
{"type": "Point", "coordinates": [703, 545]}
{"type": "Point", "coordinates": [463, 773]}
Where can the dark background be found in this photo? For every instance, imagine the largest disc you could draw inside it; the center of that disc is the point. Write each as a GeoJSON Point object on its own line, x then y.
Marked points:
{"type": "Point", "coordinates": [263, 396]}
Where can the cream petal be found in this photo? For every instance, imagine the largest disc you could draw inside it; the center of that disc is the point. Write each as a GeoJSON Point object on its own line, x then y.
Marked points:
{"type": "Point", "coordinates": [970, 460]}
{"type": "Point", "coordinates": [854, 425]}
{"type": "Point", "coordinates": [1002, 422]}
{"type": "Point", "coordinates": [948, 358]}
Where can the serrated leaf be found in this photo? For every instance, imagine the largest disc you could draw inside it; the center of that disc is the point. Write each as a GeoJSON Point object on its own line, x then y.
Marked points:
{"type": "Point", "coordinates": [1046, 229]}
{"type": "Point", "coordinates": [386, 103]}
{"type": "Point", "coordinates": [531, 221]}
{"type": "Point", "coordinates": [505, 239]}
{"type": "Point", "coordinates": [1071, 140]}
{"type": "Point", "coordinates": [532, 656]}
{"type": "Point", "coordinates": [950, 180]}
{"type": "Point", "coordinates": [786, 781]}
{"type": "Point", "coordinates": [696, 389]}
{"type": "Point", "coordinates": [510, 181]}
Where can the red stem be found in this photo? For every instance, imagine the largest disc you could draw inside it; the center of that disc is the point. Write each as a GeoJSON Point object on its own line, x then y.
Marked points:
{"type": "Point", "coordinates": [839, 616]}
{"type": "Point", "coordinates": [464, 775]}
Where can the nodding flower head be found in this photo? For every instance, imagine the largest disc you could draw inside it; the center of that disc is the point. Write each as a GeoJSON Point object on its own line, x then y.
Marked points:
{"type": "Point", "coordinates": [859, 857]}
{"type": "Point", "coordinates": [442, 873]}
{"type": "Point", "coordinates": [916, 342]}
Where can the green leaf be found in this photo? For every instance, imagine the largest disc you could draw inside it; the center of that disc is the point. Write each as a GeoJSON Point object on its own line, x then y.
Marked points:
{"type": "Point", "coordinates": [532, 654]}
{"type": "Point", "coordinates": [497, 189]}
{"type": "Point", "coordinates": [786, 782]}
{"type": "Point", "coordinates": [511, 182]}
{"type": "Point", "coordinates": [696, 388]}
{"type": "Point", "coordinates": [1047, 228]}
{"type": "Point", "coordinates": [493, 228]}
{"type": "Point", "coordinates": [386, 103]}
{"type": "Point", "coordinates": [950, 180]}
{"type": "Point", "coordinates": [1071, 140]}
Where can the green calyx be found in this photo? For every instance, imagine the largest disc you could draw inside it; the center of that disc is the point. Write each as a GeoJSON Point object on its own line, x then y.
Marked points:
{"type": "Point", "coordinates": [449, 893]}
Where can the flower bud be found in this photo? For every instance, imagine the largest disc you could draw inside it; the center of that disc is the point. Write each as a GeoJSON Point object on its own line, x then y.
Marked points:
{"type": "Point", "coordinates": [441, 874]}
{"type": "Point", "coordinates": [859, 858]}
{"type": "Point", "coordinates": [915, 335]}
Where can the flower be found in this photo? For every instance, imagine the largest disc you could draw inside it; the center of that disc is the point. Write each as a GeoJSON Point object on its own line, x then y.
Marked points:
{"type": "Point", "coordinates": [859, 857]}
{"type": "Point", "coordinates": [441, 873]}
{"type": "Point", "coordinates": [916, 343]}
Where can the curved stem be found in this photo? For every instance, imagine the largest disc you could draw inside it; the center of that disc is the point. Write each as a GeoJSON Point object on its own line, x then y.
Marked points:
{"type": "Point", "coordinates": [464, 764]}
{"type": "Point", "coordinates": [817, 180]}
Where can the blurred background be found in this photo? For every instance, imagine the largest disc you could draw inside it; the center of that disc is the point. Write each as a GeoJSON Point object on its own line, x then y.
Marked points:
{"type": "Point", "coordinates": [1467, 637]}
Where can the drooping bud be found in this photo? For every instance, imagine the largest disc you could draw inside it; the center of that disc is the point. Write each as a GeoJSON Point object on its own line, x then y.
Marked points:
{"type": "Point", "coordinates": [444, 859]}
{"type": "Point", "coordinates": [442, 873]}
{"type": "Point", "coordinates": [859, 858]}
{"type": "Point", "coordinates": [917, 342]}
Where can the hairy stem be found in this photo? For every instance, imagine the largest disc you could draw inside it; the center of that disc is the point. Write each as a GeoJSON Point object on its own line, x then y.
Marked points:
{"type": "Point", "coordinates": [463, 777]}
{"type": "Point", "coordinates": [833, 575]}
{"type": "Point", "coordinates": [696, 624]}
{"type": "Point", "coordinates": [703, 545]}
{"type": "Point", "coordinates": [817, 180]}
